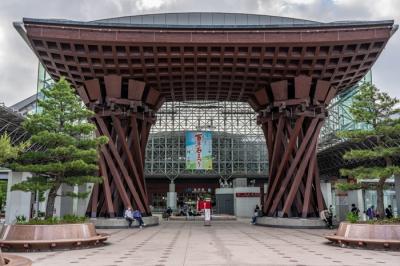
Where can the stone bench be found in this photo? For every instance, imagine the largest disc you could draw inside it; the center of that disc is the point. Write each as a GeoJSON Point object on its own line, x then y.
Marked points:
{"type": "Point", "coordinates": [109, 223]}
{"type": "Point", "coordinates": [201, 218]}
{"type": "Point", "coordinates": [301, 223]}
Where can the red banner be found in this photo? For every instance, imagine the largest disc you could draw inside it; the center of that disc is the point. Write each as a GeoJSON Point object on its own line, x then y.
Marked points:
{"type": "Point", "coordinates": [247, 194]}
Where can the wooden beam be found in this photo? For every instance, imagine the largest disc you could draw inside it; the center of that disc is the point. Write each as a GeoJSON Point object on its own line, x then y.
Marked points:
{"type": "Point", "coordinates": [121, 166]}
{"type": "Point", "coordinates": [308, 189]}
{"type": "Point", "coordinates": [93, 89]}
{"type": "Point", "coordinates": [302, 86]}
{"type": "Point", "coordinates": [280, 90]}
{"type": "Point", "coordinates": [106, 187]}
{"type": "Point", "coordinates": [113, 86]}
{"type": "Point", "coordinates": [128, 154]}
{"type": "Point", "coordinates": [285, 157]}
{"type": "Point", "coordinates": [135, 89]}
{"type": "Point", "coordinates": [300, 171]}
{"type": "Point", "coordinates": [293, 165]}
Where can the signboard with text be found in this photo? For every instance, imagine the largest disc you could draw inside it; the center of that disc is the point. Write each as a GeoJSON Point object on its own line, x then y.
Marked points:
{"type": "Point", "coordinates": [198, 150]}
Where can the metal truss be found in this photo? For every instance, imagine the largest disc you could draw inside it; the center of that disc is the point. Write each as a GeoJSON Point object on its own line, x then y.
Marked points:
{"type": "Point", "coordinates": [238, 142]}
{"type": "Point", "coordinates": [10, 123]}
{"type": "Point", "coordinates": [331, 148]}
{"type": "Point", "coordinates": [339, 118]}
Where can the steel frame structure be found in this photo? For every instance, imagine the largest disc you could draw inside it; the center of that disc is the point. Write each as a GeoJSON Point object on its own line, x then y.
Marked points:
{"type": "Point", "coordinates": [10, 124]}
{"type": "Point", "coordinates": [238, 143]}
{"type": "Point", "coordinates": [339, 118]}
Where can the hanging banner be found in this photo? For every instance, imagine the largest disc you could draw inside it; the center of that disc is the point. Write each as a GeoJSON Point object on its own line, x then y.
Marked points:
{"type": "Point", "coordinates": [198, 150]}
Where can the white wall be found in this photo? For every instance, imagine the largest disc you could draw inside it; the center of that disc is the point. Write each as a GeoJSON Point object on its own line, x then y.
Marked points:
{"type": "Point", "coordinates": [326, 189]}
{"type": "Point", "coordinates": [244, 206]}
{"type": "Point", "coordinates": [80, 205]}
{"type": "Point", "coordinates": [18, 202]}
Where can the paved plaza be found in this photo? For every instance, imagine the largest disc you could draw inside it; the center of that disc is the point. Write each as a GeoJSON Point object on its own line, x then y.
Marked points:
{"type": "Point", "coordinates": [223, 243]}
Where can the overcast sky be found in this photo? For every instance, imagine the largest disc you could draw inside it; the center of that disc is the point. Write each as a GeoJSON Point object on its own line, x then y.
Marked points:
{"type": "Point", "coordinates": [18, 64]}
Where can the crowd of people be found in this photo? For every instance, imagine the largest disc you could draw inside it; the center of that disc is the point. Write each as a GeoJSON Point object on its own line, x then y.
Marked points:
{"type": "Point", "coordinates": [326, 215]}
{"type": "Point", "coordinates": [373, 214]}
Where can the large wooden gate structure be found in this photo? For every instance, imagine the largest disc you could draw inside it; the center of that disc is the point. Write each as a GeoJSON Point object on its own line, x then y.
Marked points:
{"type": "Point", "coordinates": [287, 69]}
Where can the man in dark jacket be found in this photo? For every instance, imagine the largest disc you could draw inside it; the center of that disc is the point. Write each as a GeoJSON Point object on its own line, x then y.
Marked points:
{"type": "Point", "coordinates": [389, 212]}
{"type": "Point", "coordinates": [137, 215]}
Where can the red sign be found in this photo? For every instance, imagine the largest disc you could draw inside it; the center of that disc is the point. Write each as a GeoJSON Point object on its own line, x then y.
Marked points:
{"type": "Point", "coordinates": [247, 194]}
{"type": "Point", "coordinates": [203, 204]}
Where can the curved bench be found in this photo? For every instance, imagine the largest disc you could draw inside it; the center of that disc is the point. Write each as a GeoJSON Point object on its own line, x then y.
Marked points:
{"type": "Point", "coordinates": [48, 237]}
{"type": "Point", "coordinates": [383, 236]}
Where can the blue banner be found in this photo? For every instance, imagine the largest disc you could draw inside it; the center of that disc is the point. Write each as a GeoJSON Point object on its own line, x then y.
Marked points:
{"type": "Point", "coordinates": [198, 150]}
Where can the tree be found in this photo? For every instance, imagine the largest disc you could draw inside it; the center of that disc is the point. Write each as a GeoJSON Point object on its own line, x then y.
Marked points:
{"type": "Point", "coordinates": [9, 151]}
{"type": "Point", "coordinates": [69, 152]}
{"type": "Point", "coordinates": [379, 112]}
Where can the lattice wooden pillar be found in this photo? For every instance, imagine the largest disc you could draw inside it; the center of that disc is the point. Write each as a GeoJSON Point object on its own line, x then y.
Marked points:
{"type": "Point", "coordinates": [124, 112]}
{"type": "Point", "coordinates": [291, 114]}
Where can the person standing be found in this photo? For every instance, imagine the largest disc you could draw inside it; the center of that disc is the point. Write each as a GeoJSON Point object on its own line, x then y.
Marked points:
{"type": "Point", "coordinates": [371, 212]}
{"type": "Point", "coordinates": [137, 215]}
{"type": "Point", "coordinates": [389, 212]}
{"type": "Point", "coordinates": [354, 209]}
{"type": "Point", "coordinates": [128, 215]}
{"type": "Point", "coordinates": [255, 214]}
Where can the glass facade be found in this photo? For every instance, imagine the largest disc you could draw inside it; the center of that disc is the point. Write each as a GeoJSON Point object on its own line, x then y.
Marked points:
{"type": "Point", "coordinates": [238, 144]}
{"type": "Point", "coordinates": [339, 118]}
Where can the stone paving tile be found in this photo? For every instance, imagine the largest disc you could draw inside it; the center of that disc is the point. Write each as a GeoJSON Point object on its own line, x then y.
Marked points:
{"type": "Point", "coordinates": [224, 243]}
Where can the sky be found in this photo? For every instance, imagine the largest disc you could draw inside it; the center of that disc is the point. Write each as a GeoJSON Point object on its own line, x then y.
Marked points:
{"type": "Point", "coordinates": [18, 64]}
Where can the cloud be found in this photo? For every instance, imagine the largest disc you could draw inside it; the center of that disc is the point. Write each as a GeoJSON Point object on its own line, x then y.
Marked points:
{"type": "Point", "coordinates": [18, 65]}
{"type": "Point", "coordinates": [151, 4]}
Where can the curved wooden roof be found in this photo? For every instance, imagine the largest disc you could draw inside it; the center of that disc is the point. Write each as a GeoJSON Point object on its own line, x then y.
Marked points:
{"type": "Point", "coordinates": [215, 63]}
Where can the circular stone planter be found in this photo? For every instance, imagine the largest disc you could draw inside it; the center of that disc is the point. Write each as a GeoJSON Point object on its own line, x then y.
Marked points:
{"type": "Point", "coordinates": [375, 236]}
{"type": "Point", "coordinates": [48, 237]}
{"type": "Point", "coordinates": [300, 223]}
{"type": "Point", "coordinates": [13, 260]}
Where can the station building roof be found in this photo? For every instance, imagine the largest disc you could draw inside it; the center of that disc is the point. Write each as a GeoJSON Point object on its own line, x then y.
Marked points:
{"type": "Point", "coordinates": [207, 56]}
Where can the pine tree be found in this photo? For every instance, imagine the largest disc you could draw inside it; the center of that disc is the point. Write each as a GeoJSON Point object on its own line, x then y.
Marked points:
{"type": "Point", "coordinates": [69, 150]}
{"type": "Point", "coordinates": [379, 112]}
{"type": "Point", "coordinates": [9, 151]}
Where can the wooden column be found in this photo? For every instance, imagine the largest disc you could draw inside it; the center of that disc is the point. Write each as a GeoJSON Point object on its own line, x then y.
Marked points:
{"type": "Point", "coordinates": [291, 114]}
{"type": "Point", "coordinates": [121, 161]}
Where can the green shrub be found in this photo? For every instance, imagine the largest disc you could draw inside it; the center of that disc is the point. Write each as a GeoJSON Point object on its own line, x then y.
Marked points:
{"type": "Point", "coordinates": [352, 217]}
{"type": "Point", "coordinates": [385, 221]}
{"type": "Point", "coordinates": [20, 218]}
{"type": "Point", "coordinates": [67, 219]}
{"type": "Point", "coordinates": [73, 219]}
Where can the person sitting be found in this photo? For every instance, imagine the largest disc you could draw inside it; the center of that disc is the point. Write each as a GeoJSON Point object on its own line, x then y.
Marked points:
{"type": "Point", "coordinates": [389, 212]}
{"type": "Point", "coordinates": [327, 217]}
{"type": "Point", "coordinates": [168, 213]}
{"type": "Point", "coordinates": [137, 215]}
{"type": "Point", "coordinates": [128, 215]}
